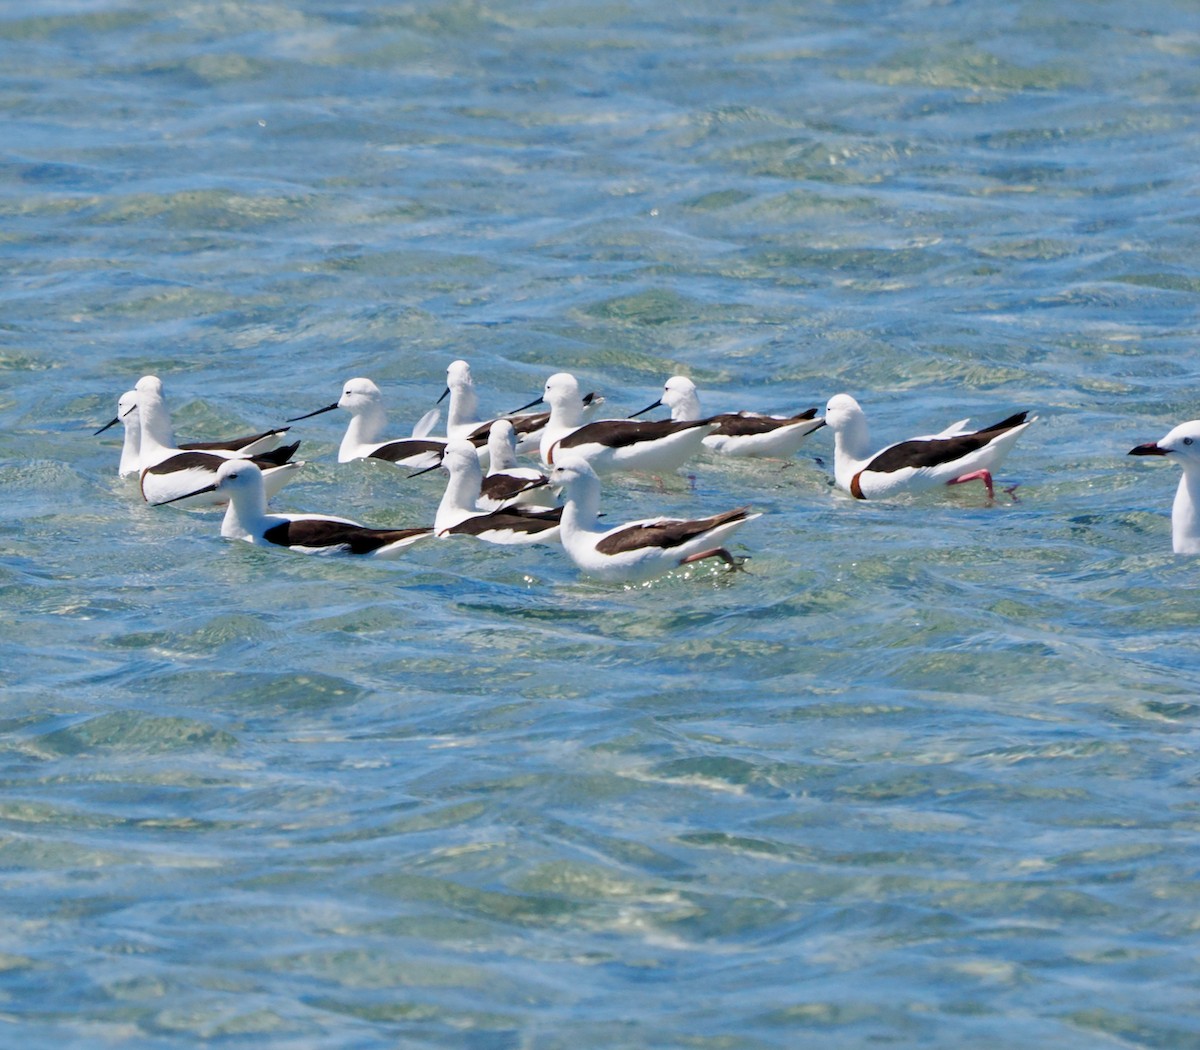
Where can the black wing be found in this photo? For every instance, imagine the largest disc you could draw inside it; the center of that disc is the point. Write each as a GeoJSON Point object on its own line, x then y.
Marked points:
{"type": "Point", "coordinates": [276, 457]}
{"type": "Point", "coordinates": [665, 533]}
{"type": "Point", "coordinates": [932, 452]}
{"type": "Point", "coordinates": [395, 451]}
{"type": "Point", "coordinates": [620, 433]}
{"type": "Point", "coordinates": [234, 444]}
{"type": "Point", "coordinates": [504, 486]}
{"type": "Point", "coordinates": [187, 461]}
{"type": "Point", "coordinates": [745, 424]}
{"type": "Point", "coordinates": [321, 532]}
{"type": "Point", "coordinates": [514, 519]}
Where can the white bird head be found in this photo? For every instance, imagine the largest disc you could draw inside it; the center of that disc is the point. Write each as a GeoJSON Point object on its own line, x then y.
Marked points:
{"type": "Point", "coordinates": [843, 412]}
{"type": "Point", "coordinates": [679, 394]}
{"type": "Point", "coordinates": [458, 374]}
{"type": "Point", "coordinates": [126, 413]}
{"type": "Point", "coordinates": [238, 475]}
{"type": "Point", "coordinates": [359, 395]}
{"type": "Point", "coordinates": [562, 388]}
{"type": "Point", "coordinates": [149, 385]}
{"type": "Point", "coordinates": [239, 479]}
{"type": "Point", "coordinates": [502, 444]}
{"type": "Point", "coordinates": [460, 457]}
{"type": "Point", "coordinates": [570, 471]}
{"type": "Point", "coordinates": [1182, 444]}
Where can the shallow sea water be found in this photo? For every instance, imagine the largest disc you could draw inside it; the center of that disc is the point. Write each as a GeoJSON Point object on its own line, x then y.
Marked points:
{"type": "Point", "coordinates": [927, 775]}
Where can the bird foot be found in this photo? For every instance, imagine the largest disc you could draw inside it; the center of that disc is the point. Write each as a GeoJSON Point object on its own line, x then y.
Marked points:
{"type": "Point", "coordinates": [977, 475]}
{"type": "Point", "coordinates": [735, 564]}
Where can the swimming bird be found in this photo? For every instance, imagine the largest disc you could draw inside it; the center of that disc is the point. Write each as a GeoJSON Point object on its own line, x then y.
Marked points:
{"type": "Point", "coordinates": [638, 550]}
{"type": "Point", "coordinates": [462, 414]}
{"type": "Point", "coordinates": [459, 512]}
{"type": "Point", "coordinates": [168, 473]}
{"type": "Point", "coordinates": [738, 433]}
{"type": "Point", "coordinates": [364, 401]}
{"type": "Point", "coordinates": [246, 518]}
{"type": "Point", "coordinates": [1182, 444]}
{"type": "Point", "coordinates": [131, 448]}
{"type": "Point", "coordinates": [506, 484]}
{"type": "Point", "coordinates": [954, 456]}
{"type": "Point", "coordinates": [615, 444]}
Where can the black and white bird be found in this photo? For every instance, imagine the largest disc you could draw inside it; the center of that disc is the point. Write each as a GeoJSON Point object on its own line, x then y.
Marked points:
{"type": "Point", "coordinates": [463, 421]}
{"type": "Point", "coordinates": [738, 433]}
{"type": "Point", "coordinates": [246, 518]}
{"type": "Point", "coordinates": [637, 550]}
{"type": "Point", "coordinates": [506, 484]}
{"type": "Point", "coordinates": [1182, 444]}
{"type": "Point", "coordinates": [169, 474]}
{"type": "Point", "coordinates": [131, 448]}
{"type": "Point", "coordinates": [614, 444]}
{"type": "Point", "coordinates": [460, 514]}
{"type": "Point", "coordinates": [952, 457]}
{"type": "Point", "coordinates": [368, 420]}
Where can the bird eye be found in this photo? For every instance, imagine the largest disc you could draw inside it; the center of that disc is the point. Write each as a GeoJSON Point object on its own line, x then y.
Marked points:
{"type": "Point", "coordinates": [1187, 441]}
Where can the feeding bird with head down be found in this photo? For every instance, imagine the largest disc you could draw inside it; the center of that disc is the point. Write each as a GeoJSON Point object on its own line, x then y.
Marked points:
{"type": "Point", "coordinates": [952, 457]}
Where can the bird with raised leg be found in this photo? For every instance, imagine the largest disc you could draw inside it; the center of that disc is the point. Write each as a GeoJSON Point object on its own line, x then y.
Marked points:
{"type": "Point", "coordinates": [954, 456]}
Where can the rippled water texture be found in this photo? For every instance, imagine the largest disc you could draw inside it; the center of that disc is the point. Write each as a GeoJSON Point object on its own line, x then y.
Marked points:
{"type": "Point", "coordinates": [927, 776]}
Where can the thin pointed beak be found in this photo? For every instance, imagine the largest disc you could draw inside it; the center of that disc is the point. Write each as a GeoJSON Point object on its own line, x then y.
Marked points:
{"type": "Point", "coordinates": [436, 466]}
{"type": "Point", "coordinates": [648, 408]}
{"type": "Point", "coordinates": [1151, 448]}
{"type": "Point", "coordinates": [536, 401]}
{"type": "Point", "coordinates": [186, 495]}
{"type": "Point", "coordinates": [309, 415]}
{"type": "Point", "coordinates": [111, 423]}
{"type": "Point", "coordinates": [445, 394]}
{"type": "Point", "coordinates": [818, 425]}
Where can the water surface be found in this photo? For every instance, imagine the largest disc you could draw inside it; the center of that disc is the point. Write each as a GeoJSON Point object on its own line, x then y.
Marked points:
{"type": "Point", "coordinates": [925, 776]}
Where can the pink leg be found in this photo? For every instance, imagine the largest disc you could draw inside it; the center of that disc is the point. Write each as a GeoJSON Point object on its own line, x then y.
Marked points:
{"type": "Point", "coordinates": [716, 552]}
{"type": "Point", "coordinates": [977, 475]}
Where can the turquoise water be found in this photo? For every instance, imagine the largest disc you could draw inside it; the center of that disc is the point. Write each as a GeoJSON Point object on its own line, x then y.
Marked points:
{"type": "Point", "coordinates": [927, 776]}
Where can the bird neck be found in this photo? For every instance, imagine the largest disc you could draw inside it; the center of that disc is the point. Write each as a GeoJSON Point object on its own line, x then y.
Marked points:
{"type": "Point", "coordinates": [460, 500]}
{"type": "Point", "coordinates": [685, 408]}
{"type": "Point", "coordinates": [157, 438]}
{"type": "Point", "coordinates": [564, 417]}
{"type": "Point", "coordinates": [502, 456]}
{"type": "Point", "coordinates": [364, 428]}
{"type": "Point", "coordinates": [851, 448]}
{"type": "Point", "coordinates": [581, 508]}
{"type": "Point", "coordinates": [1185, 515]}
{"type": "Point", "coordinates": [463, 410]}
{"type": "Point", "coordinates": [246, 514]}
{"type": "Point", "coordinates": [131, 450]}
